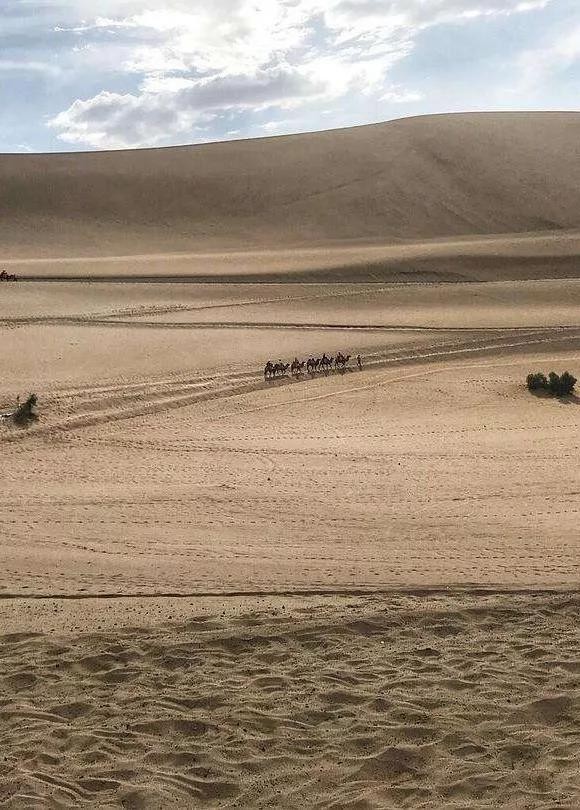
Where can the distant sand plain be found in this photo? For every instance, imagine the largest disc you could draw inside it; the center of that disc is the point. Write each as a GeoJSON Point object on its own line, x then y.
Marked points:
{"type": "Point", "coordinates": [355, 590]}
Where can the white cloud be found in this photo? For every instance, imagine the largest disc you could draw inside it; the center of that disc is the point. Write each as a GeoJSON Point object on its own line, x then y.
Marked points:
{"type": "Point", "coordinates": [352, 18]}
{"type": "Point", "coordinates": [275, 126]}
{"type": "Point", "coordinates": [105, 23]}
{"type": "Point", "coordinates": [121, 120]}
{"type": "Point", "coordinates": [223, 35]}
{"type": "Point", "coordinates": [199, 62]}
{"type": "Point", "coordinates": [534, 67]}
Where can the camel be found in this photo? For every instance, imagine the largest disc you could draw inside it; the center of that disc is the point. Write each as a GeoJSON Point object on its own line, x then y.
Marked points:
{"type": "Point", "coordinates": [341, 360]}
{"type": "Point", "coordinates": [296, 367]}
{"type": "Point", "coordinates": [312, 365]}
{"type": "Point", "coordinates": [326, 362]}
{"type": "Point", "coordinates": [275, 369]}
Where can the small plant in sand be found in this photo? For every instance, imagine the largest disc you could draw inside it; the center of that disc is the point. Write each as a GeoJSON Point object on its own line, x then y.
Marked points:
{"type": "Point", "coordinates": [567, 384]}
{"type": "Point", "coordinates": [537, 382]}
{"type": "Point", "coordinates": [557, 386]}
{"type": "Point", "coordinates": [26, 412]}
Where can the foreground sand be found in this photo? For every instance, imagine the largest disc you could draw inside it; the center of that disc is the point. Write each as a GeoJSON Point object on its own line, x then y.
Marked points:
{"type": "Point", "coordinates": [410, 700]}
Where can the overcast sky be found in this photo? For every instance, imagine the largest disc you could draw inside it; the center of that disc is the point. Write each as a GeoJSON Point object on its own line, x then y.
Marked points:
{"type": "Point", "coordinates": [111, 74]}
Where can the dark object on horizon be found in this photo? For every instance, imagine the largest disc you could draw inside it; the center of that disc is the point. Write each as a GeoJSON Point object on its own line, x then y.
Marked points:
{"type": "Point", "coordinates": [557, 386]}
{"type": "Point", "coordinates": [26, 412]}
{"type": "Point", "coordinates": [4, 276]}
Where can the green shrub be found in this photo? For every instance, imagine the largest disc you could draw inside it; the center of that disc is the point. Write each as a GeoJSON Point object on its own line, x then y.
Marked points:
{"type": "Point", "coordinates": [25, 412]}
{"type": "Point", "coordinates": [537, 382]}
{"type": "Point", "coordinates": [567, 384]}
{"type": "Point", "coordinates": [553, 384]}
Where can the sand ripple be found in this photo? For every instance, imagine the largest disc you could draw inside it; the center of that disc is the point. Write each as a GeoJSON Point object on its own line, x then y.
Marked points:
{"type": "Point", "coordinates": [418, 702]}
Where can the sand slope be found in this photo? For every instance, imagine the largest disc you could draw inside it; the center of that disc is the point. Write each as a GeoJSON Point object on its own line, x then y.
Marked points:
{"type": "Point", "coordinates": [414, 179]}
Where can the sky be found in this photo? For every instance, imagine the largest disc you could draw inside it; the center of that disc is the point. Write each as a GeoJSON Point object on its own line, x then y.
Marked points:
{"type": "Point", "coordinates": [115, 74]}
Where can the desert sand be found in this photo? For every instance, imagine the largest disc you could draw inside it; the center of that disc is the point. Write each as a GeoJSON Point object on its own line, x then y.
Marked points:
{"type": "Point", "coordinates": [354, 589]}
{"type": "Point", "coordinates": [439, 177]}
{"type": "Point", "coordinates": [429, 700]}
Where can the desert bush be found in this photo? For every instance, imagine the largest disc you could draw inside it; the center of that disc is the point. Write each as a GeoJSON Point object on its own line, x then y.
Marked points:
{"type": "Point", "coordinates": [537, 382]}
{"type": "Point", "coordinates": [26, 412]}
{"type": "Point", "coordinates": [553, 384]}
{"type": "Point", "coordinates": [567, 383]}
{"type": "Point", "coordinates": [557, 386]}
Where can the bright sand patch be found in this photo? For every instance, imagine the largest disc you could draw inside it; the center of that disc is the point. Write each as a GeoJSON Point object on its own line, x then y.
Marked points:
{"type": "Point", "coordinates": [96, 356]}
{"type": "Point", "coordinates": [446, 473]}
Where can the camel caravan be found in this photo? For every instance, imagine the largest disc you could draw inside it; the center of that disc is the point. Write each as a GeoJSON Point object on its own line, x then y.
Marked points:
{"type": "Point", "coordinates": [313, 365]}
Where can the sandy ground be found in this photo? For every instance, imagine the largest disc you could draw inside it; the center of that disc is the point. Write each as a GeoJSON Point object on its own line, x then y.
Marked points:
{"type": "Point", "coordinates": [554, 302]}
{"type": "Point", "coordinates": [417, 701]}
{"type": "Point", "coordinates": [351, 590]}
{"type": "Point", "coordinates": [228, 483]}
{"type": "Point", "coordinates": [515, 256]}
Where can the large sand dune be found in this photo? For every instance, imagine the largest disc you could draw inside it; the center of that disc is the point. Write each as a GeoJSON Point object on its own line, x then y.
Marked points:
{"type": "Point", "coordinates": [420, 179]}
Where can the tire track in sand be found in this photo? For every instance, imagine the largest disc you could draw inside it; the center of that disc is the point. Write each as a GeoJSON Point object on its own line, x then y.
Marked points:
{"type": "Point", "coordinates": [102, 404]}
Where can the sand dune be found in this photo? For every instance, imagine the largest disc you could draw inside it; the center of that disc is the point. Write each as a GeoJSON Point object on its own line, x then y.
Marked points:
{"type": "Point", "coordinates": [438, 177]}
{"type": "Point", "coordinates": [527, 304]}
{"type": "Point", "coordinates": [495, 258]}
